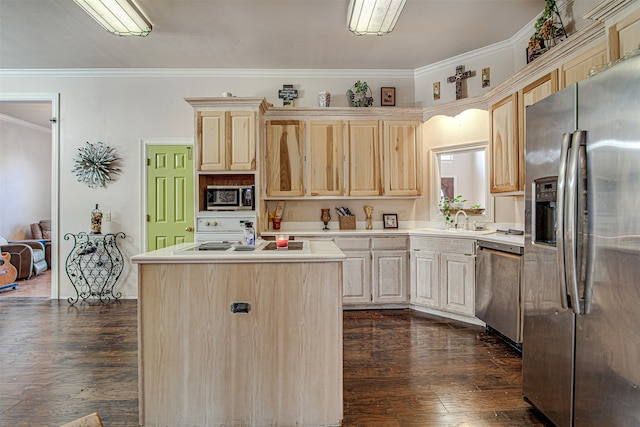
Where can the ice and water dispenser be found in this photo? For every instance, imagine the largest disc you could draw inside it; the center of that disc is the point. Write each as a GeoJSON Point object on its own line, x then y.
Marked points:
{"type": "Point", "coordinates": [545, 211]}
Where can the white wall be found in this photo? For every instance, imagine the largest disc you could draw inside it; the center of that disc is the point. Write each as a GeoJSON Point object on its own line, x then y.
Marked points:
{"type": "Point", "coordinates": [121, 107]}
{"type": "Point", "coordinates": [25, 178]}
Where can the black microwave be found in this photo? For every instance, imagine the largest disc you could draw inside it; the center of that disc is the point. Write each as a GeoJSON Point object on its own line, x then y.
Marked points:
{"type": "Point", "coordinates": [230, 198]}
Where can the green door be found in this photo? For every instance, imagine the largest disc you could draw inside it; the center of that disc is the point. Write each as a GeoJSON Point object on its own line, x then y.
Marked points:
{"type": "Point", "coordinates": [170, 194]}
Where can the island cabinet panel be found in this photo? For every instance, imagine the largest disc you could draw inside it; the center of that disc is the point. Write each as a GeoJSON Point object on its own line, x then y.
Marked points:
{"type": "Point", "coordinates": [504, 145]}
{"type": "Point", "coordinates": [325, 158]}
{"type": "Point", "coordinates": [284, 168]}
{"type": "Point", "coordinates": [402, 158]}
{"type": "Point", "coordinates": [279, 364]}
{"type": "Point", "coordinates": [356, 287]}
{"type": "Point", "coordinates": [365, 171]}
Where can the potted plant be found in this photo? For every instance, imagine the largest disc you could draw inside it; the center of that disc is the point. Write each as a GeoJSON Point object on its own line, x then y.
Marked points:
{"type": "Point", "coordinates": [450, 206]}
{"type": "Point", "coordinates": [547, 29]}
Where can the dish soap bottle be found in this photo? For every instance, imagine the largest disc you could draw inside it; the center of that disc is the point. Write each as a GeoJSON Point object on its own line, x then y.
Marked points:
{"type": "Point", "coordinates": [249, 234]}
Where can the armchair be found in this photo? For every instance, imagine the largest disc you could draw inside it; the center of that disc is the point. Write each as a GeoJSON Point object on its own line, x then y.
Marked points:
{"type": "Point", "coordinates": [27, 256]}
{"type": "Point", "coordinates": [42, 231]}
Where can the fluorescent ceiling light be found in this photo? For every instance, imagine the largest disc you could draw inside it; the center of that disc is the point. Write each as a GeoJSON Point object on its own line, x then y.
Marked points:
{"type": "Point", "coordinates": [374, 17]}
{"type": "Point", "coordinates": [119, 17]}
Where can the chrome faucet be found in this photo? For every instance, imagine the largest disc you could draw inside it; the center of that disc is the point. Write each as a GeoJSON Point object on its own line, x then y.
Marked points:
{"type": "Point", "coordinates": [465, 217]}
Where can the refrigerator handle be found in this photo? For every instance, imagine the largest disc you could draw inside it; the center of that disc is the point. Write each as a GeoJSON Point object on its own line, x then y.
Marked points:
{"type": "Point", "coordinates": [570, 225]}
{"type": "Point", "coordinates": [584, 251]}
{"type": "Point", "coordinates": [560, 208]}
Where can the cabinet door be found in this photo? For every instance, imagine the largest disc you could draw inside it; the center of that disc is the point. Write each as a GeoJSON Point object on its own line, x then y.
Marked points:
{"type": "Point", "coordinates": [402, 158]}
{"type": "Point", "coordinates": [390, 276]}
{"type": "Point", "coordinates": [241, 144]}
{"type": "Point", "coordinates": [356, 282]}
{"type": "Point", "coordinates": [365, 175]}
{"type": "Point", "coordinates": [284, 158]}
{"type": "Point", "coordinates": [529, 95]}
{"type": "Point", "coordinates": [425, 278]}
{"type": "Point", "coordinates": [578, 68]}
{"type": "Point", "coordinates": [504, 145]}
{"type": "Point", "coordinates": [325, 158]}
{"type": "Point", "coordinates": [457, 287]}
{"type": "Point", "coordinates": [624, 36]}
{"type": "Point", "coordinates": [210, 126]}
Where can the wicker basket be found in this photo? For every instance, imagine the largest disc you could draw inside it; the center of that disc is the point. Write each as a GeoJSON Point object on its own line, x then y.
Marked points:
{"type": "Point", "coordinates": [347, 222]}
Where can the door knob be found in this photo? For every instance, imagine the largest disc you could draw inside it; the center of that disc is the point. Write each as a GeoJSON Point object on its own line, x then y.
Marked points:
{"type": "Point", "coordinates": [188, 229]}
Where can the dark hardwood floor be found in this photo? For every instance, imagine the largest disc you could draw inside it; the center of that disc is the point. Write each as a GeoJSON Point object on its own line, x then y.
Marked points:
{"type": "Point", "coordinates": [401, 368]}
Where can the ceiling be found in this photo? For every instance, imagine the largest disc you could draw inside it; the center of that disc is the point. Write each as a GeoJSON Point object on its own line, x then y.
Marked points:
{"type": "Point", "coordinates": [254, 34]}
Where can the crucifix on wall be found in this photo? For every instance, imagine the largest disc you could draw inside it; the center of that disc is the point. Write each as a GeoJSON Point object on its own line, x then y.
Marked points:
{"type": "Point", "coordinates": [458, 78]}
{"type": "Point", "coordinates": [288, 94]}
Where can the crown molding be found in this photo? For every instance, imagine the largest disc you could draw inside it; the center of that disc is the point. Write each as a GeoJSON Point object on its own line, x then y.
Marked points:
{"type": "Point", "coordinates": [208, 72]}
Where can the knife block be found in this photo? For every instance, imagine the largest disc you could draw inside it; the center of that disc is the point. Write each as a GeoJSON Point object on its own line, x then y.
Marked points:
{"type": "Point", "coordinates": [347, 222]}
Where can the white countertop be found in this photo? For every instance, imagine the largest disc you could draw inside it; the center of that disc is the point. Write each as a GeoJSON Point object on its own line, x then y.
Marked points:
{"type": "Point", "coordinates": [316, 251]}
{"type": "Point", "coordinates": [489, 235]}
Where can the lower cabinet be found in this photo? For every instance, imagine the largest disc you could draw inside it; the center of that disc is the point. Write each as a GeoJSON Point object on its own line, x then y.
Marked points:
{"type": "Point", "coordinates": [443, 274]}
{"type": "Point", "coordinates": [375, 271]}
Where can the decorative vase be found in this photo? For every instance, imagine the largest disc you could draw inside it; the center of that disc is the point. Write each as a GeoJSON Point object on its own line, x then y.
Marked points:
{"type": "Point", "coordinates": [368, 211]}
{"type": "Point", "coordinates": [96, 221]}
{"type": "Point", "coordinates": [325, 217]}
{"type": "Point", "coordinates": [324, 99]}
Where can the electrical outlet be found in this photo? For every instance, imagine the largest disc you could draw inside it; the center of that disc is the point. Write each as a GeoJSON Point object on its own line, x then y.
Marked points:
{"type": "Point", "coordinates": [291, 215]}
{"type": "Point", "coordinates": [402, 215]}
{"type": "Point", "coordinates": [107, 216]}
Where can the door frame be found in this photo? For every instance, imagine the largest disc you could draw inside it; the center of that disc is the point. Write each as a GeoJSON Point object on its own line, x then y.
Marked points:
{"type": "Point", "coordinates": [54, 99]}
{"type": "Point", "coordinates": [144, 149]}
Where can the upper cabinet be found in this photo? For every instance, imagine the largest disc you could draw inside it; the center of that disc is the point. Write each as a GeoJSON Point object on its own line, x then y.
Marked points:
{"type": "Point", "coordinates": [348, 152]}
{"type": "Point", "coordinates": [325, 158]}
{"type": "Point", "coordinates": [624, 36]}
{"type": "Point", "coordinates": [402, 158]}
{"type": "Point", "coordinates": [503, 123]}
{"type": "Point", "coordinates": [578, 68]}
{"type": "Point", "coordinates": [530, 94]}
{"type": "Point", "coordinates": [226, 140]}
{"type": "Point", "coordinates": [284, 158]}
{"type": "Point", "coordinates": [365, 172]}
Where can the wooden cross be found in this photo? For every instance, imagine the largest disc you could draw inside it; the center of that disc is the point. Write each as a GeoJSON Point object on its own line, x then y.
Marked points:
{"type": "Point", "coordinates": [288, 94]}
{"type": "Point", "coordinates": [458, 77]}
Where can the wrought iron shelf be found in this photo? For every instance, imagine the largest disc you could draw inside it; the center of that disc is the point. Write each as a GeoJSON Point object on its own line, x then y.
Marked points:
{"type": "Point", "coordinates": [94, 266]}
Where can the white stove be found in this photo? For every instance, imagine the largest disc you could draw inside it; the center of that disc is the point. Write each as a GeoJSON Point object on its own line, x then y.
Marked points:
{"type": "Point", "coordinates": [222, 226]}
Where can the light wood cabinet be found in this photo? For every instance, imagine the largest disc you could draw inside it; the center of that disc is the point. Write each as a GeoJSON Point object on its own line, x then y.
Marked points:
{"type": "Point", "coordinates": [325, 158]}
{"type": "Point", "coordinates": [504, 145]}
{"type": "Point", "coordinates": [284, 168]}
{"type": "Point", "coordinates": [402, 158]}
{"type": "Point", "coordinates": [457, 284]}
{"type": "Point", "coordinates": [375, 271]}
{"type": "Point", "coordinates": [425, 278]}
{"type": "Point", "coordinates": [226, 140]}
{"type": "Point", "coordinates": [443, 274]}
{"type": "Point", "coordinates": [365, 173]}
{"type": "Point", "coordinates": [390, 276]}
{"type": "Point", "coordinates": [578, 68]}
{"type": "Point", "coordinates": [356, 283]}
{"type": "Point", "coordinates": [529, 95]}
{"type": "Point", "coordinates": [624, 36]}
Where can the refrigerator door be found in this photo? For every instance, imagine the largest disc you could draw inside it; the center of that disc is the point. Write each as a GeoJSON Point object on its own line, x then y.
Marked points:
{"type": "Point", "coordinates": [548, 335]}
{"type": "Point", "coordinates": [607, 372]}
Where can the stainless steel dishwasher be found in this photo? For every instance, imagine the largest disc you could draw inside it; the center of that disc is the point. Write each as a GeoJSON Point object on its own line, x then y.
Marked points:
{"type": "Point", "coordinates": [499, 288]}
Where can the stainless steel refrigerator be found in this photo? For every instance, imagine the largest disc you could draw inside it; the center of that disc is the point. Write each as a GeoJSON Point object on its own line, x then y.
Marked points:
{"type": "Point", "coordinates": [581, 337]}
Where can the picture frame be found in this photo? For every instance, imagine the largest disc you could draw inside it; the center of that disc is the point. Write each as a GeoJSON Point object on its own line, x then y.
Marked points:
{"type": "Point", "coordinates": [388, 96]}
{"type": "Point", "coordinates": [390, 220]}
{"type": "Point", "coordinates": [436, 91]}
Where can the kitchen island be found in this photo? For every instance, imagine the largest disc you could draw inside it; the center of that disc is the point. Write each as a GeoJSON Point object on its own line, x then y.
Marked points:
{"type": "Point", "coordinates": [240, 337]}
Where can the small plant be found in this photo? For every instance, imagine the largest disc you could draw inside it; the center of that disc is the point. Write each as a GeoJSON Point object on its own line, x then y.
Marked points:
{"type": "Point", "coordinates": [478, 206]}
{"type": "Point", "coordinates": [360, 95]}
{"type": "Point", "coordinates": [446, 206]}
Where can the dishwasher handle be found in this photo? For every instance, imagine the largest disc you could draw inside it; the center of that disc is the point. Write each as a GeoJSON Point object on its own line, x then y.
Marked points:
{"type": "Point", "coordinates": [499, 253]}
